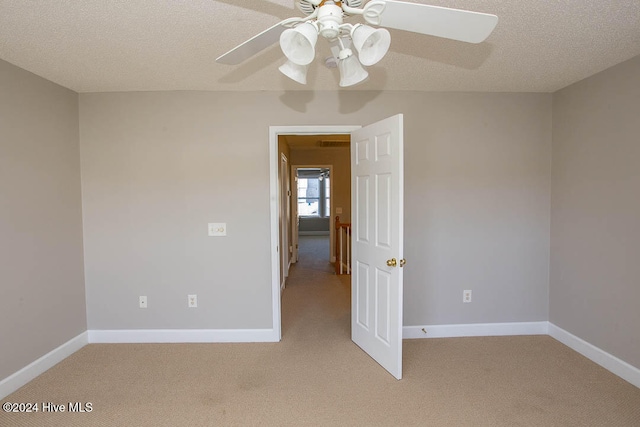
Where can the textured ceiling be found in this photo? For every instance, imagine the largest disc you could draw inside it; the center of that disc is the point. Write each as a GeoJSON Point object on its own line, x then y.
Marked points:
{"type": "Point", "coordinates": [141, 45]}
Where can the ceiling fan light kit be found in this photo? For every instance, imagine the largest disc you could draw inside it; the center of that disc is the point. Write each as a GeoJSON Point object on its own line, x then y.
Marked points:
{"type": "Point", "coordinates": [351, 71]}
{"type": "Point", "coordinates": [372, 45]}
{"type": "Point", "coordinates": [295, 72]}
{"type": "Point", "coordinates": [299, 44]}
{"type": "Point", "coordinates": [298, 36]}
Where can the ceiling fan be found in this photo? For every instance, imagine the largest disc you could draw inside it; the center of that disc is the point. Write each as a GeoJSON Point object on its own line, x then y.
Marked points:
{"type": "Point", "coordinates": [298, 36]}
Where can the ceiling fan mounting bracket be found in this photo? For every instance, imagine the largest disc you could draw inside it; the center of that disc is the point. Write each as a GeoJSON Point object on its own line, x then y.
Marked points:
{"type": "Point", "coordinates": [308, 6]}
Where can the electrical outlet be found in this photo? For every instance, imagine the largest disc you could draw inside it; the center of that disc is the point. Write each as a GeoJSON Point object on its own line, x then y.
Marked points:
{"type": "Point", "coordinates": [143, 301]}
{"type": "Point", "coordinates": [192, 301]}
{"type": "Point", "coordinates": [466, 296]}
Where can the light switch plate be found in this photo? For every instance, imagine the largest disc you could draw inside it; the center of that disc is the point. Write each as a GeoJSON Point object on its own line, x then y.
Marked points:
{"type": "Point", "coordinates": [217, 229]}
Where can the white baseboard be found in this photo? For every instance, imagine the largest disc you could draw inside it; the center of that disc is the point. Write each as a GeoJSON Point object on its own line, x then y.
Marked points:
{"type": "Point", "coordinates": [475, 330]}
{"type": "Point", "coordinates": [611, 363]}
{"type": "Point", "coordinates": [182, 335]}
{"type": "Point", "coordinates": [23, 376]}
{"type": "Point", "coordinates": [29, 372]}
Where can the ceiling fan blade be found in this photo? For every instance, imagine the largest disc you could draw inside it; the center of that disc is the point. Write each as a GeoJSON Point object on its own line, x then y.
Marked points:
{"type": "Point", "coordinates": [254, 45]}
{"type": "Point", "coordinates": [455, 24]}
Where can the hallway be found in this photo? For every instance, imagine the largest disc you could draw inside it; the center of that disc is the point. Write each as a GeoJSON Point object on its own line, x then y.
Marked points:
{"type": "Point", "coordinates": [313, 293]}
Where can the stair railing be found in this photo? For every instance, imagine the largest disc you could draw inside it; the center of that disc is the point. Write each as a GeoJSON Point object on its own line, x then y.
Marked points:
{"type": "Point", "coordinates": [343, 247]}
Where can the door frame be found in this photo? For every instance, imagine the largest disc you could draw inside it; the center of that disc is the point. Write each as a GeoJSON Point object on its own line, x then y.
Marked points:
{"type": "Point", "coordinates": [274, 210]}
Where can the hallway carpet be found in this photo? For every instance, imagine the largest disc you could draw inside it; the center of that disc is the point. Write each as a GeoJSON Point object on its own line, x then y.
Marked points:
{"type": "Point", "coordinates": [313, 253]}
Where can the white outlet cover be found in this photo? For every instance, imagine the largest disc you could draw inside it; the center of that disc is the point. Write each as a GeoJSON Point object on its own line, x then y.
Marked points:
{"type": "Point", "coordinates": [466, 296]}
{"type": "Point", "coordinates": [192, 301]}
{"type": "Point", "coordinates": [217, 229]}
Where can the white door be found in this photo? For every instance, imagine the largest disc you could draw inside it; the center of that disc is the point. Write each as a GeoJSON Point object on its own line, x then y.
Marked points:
{"type": "Point", "coordinates": [285, 216]}
{"type": "Point", "coordinates": [377, 203]}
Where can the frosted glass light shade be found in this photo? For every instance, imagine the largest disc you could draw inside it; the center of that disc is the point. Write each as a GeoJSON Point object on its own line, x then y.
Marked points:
{"type": "Point", "coordinates": [295, 72]}
{"type": "Point", "coordinates": [372, 44]}
{"type": "Point", "coordinates": [351, 72]}
{"type": "Point", "coordinates": [299, 43]}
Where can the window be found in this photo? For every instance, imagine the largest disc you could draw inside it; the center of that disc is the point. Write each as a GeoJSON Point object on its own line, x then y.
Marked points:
{"type": "Point", "coordinates": [308, 196]}
{"type": "Point", "coordinates": [314, 193]}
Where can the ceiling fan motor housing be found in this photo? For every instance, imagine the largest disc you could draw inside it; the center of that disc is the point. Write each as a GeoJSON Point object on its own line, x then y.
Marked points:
{"type": "Point", "coordinates": [329, 20]}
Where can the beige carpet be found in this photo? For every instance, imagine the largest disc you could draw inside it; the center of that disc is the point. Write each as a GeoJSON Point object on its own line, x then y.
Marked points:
{"type": "Point", "coordinates": [317, 377]}
{"type": "Point", "coordinates": [314, 254]}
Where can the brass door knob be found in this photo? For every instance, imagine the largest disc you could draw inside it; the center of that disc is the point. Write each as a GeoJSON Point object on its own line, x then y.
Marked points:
{"type": "Point", "coordinates": [403, 262]}
{"type": "Point", "coordinates": [392, 262]}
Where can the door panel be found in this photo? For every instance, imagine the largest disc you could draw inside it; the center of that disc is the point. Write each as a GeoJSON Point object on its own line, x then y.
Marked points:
{"type": "Point", "coordinates": [377, 191]}
{"type": "Point", "coordinates": [362, 295]}
{"type": "Point", "coordinates": [362, 200]}
{"type": "Point", "coordinates": [383, 211]}
{"type": "Point", "coordinates": [383, 305]}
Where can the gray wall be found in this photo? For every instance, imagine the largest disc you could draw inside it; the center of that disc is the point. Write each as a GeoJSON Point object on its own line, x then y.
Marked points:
{"type": "Point", "coordinates": [595, 226]}
{"type": "Point", "coordinates": [41, 263]}
{"type": "Point", "coordinates": [158, 166]}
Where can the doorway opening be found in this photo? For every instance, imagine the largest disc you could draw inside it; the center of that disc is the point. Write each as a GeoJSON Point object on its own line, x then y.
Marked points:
{"type": "Point", "coordinates": [305, 147]}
